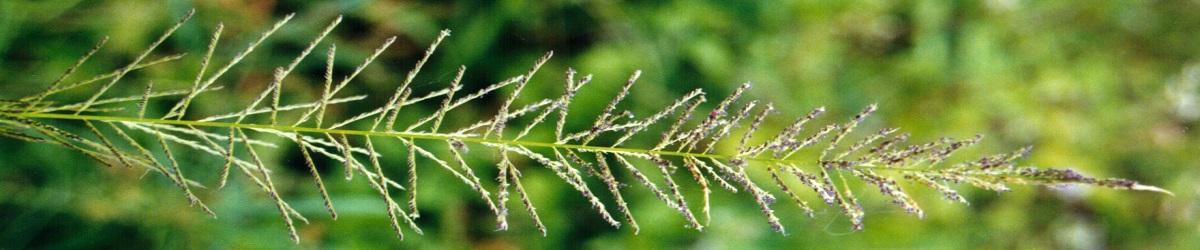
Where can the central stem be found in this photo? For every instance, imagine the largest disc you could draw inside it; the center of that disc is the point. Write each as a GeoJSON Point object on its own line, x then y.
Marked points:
{"type": "Point", "coordinates": [407, 135]}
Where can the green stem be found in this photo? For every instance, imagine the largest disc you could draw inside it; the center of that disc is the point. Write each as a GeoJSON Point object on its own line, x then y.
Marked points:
{"type": "Point", "coordinates": [407, 135]}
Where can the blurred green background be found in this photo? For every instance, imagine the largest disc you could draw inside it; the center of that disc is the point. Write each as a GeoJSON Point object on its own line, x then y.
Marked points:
{"type": "Point", "coordinates": [1108, 88]}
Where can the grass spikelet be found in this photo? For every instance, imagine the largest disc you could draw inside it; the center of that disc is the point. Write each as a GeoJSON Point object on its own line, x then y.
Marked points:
{"type": "Point", "coordinates": [667, 137]}
{"type": "Point", "coordinates": [441, 113]}
{"type": "Point", "coordinates": [456, 147]}
{"type": "Point", "coordinates": [850, 205]}
{"type": "Point", "coordinates": [325, 95]}
{"type": "Point", "coordinates": [412, 182]}
{"type": "Point", "coordinates": [783, 187]}
{"type": "Point", "coordinates": [680, 202]}
{"type": "Point", "coordinates": [180, 180]}
{"type": "Point", "coordinates": [947, 192]}
{"type": "Point", "coordinates": [733, 123]}
{"type": "Point", "coordinates": [564, 103]}
{"type": "Point", "coordinates": [383, 190]}
{"type": "Point", "coordinates": [559, 105]}
{"type": "Point", "coordinates": [180, 108]}
{"type": "Point", "coordinates": [709, 169]}
{"type": "Point", "coordinates": [241, 55]}
{"type": "Point", "coordinates": [845, 129]}
{"type": "Point", "coordinates": [706, 206]}
{"type": "Point", "coordinates": [890, 188]}
{"type": "Point", "coordinates": [440, 162]}
{"type": "Point", "coordinates": [108, 144]}
{"type": "Point", "coordinates": [110, 75]}
{"type": "Point", "coordinates": [875, 153]}
{"type": "Point", "coordinates": [502, 116]}
{"type": "Point", "coordinates": [135, 62]}
{"type": "Point", "coordinates": [345, 81]}
{"type": "Point", "coordinates": [537, 221]}
{"type": "Point", "coordinates": [228, 159]}
{"type": "Point", "coordinates": [825, 190]}
{"type": "Point", "coordinates": [762, 198]}
{"type": "Point", "coordinates": [70, 70]}
{"type": "Point", "coordinates": [784, 139]}
{"type": "Point", "coordinates": [21, 136]}
{"type": "Point", "coordinates": [940, 155]}
{"type": "Point", "coordinates": [278, 81]}
{"type": "Point", "coordinates": [999, 160]}
{"type": "Point", "coordinates": [145, 99]}
{"type": "Point", "coordinates": [864, 142]}
{"type": "Point", "coordinates": [638, 126]}
{"type": "Point", "coordinates": [615, 188]}
{"type": "Point", "coordinates": [576, 180]}
{"type": "Point", "coordinates": [270, 189]}
{"type": "Point", "coordinates": [400, 97]}
{"type": "Point", "coordinates": [344, 147]}
{"type": "Point", "coordinates": [502, 191]}
{"type": "Point", "coordinates": [312, 169]}
{"type": "Point", "coordinates": [470, 97]}
{"type": "Point", "coordinates": [743, 148]}
{"type": "Point", "coordinates": [646, 181]}
{"type": "Point", "coordinates": [148, 156]}
{"type": "Point", "coordinates": [497, 125]}
{"type": "Point", "coordinates": [602, 120]}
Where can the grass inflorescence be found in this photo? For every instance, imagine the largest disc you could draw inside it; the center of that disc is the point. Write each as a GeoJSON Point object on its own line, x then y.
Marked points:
{"type": "Point", "coordinates": [689, 143]}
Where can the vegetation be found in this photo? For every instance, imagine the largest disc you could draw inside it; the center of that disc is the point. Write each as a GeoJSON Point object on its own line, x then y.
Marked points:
{"type": "Point", "coordinates": [679, 153]}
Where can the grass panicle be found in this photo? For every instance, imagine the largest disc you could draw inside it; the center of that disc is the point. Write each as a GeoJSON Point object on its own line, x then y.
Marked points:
{"type": "Point", "coordinates": [724, 145]}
